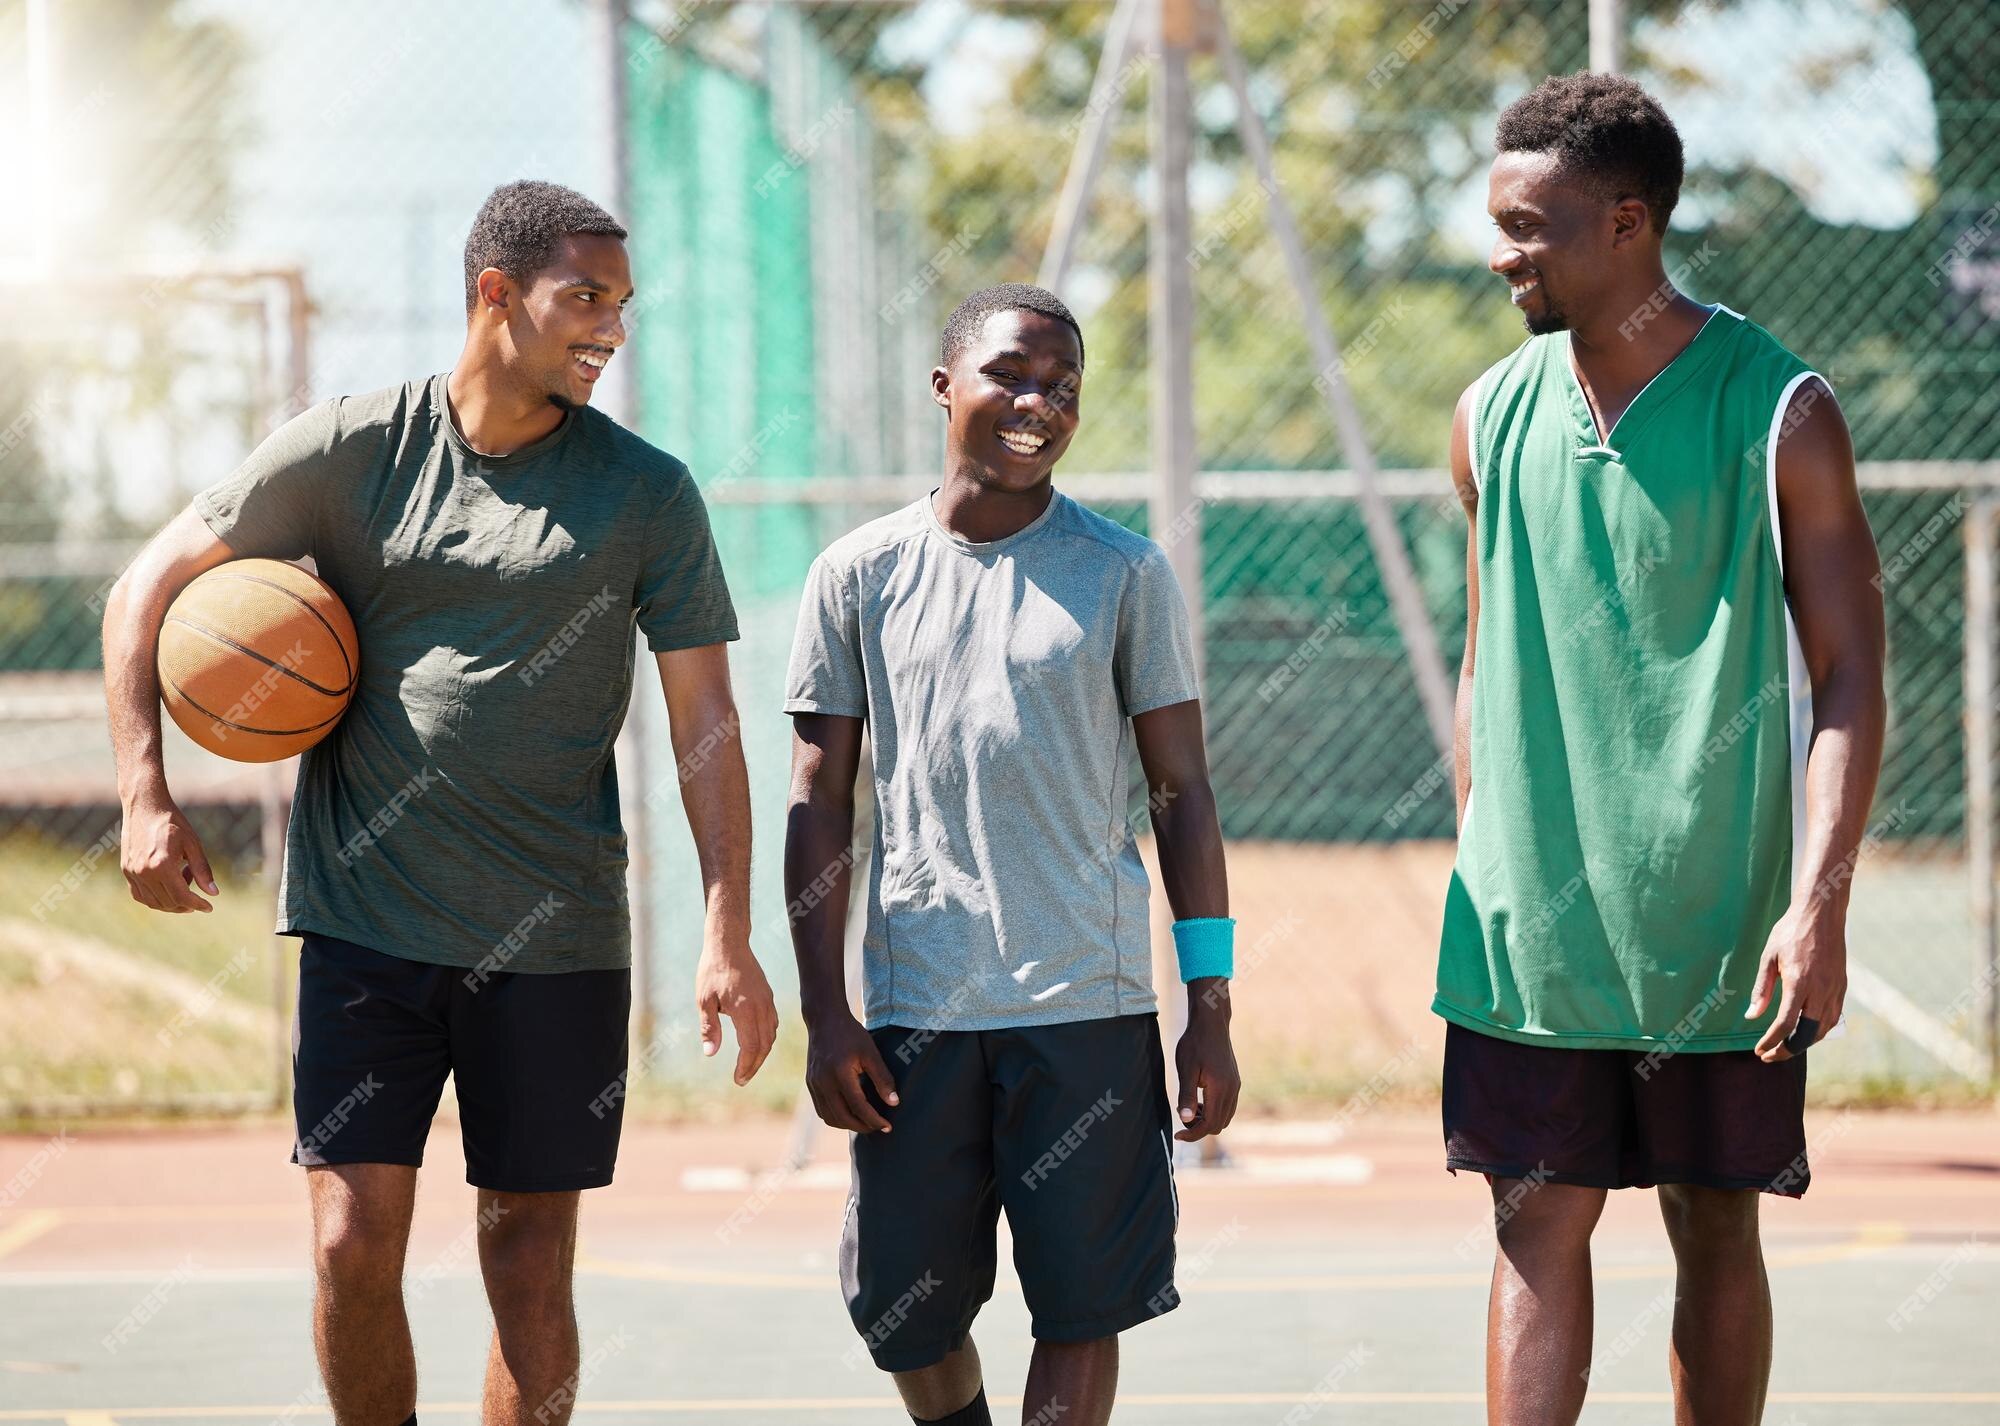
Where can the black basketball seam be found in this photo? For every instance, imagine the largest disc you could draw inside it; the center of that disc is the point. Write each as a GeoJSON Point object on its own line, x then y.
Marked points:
{"type": "Point", "coordinates": [246, 651]}
{"type": "Point", "coordinates": [226, 573]}
{"type": "Point", "coordinates": [244, 727]}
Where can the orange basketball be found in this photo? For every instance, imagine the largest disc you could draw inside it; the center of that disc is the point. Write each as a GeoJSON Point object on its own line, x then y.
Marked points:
{"type": "Point", "coordinates": [257, 660]}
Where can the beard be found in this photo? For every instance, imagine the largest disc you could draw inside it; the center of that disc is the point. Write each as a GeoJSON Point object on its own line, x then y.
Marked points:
{"type": "Point", "coordinates": [1552, 317]}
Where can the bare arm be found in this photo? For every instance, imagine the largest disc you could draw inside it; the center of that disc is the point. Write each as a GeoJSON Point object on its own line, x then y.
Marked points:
{"type": "Point", "coordinates": [1189, 837]}
{"type": "Point", "coordinates": [1830, 569]}
{"type": "Point", "coordinates": [161, 856]}
{"type": "Point", "coordinates": [819, 861]}
{"type": "Point", "coordinates": [715, 789]}
{"type": "Point", "coordinates": [1468, 496]}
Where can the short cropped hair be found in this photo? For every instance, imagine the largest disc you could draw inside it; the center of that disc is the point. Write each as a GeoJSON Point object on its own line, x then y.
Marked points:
{"type": "Point", "coordinates": [969, 317]}
{"type": "Point", "coordinates": [1606, 133]}
{"type": "Point", "coordinates": [520, 226]}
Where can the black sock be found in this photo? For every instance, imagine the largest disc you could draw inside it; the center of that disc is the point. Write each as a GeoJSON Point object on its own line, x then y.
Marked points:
{"type": "Point", "coordinates": [412, 1421]}
{"type": "Point", "coordinates": [973, 1413]}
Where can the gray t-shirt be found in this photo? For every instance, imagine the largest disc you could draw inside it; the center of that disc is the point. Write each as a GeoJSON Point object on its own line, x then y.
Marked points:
{"type": "Point", "coordinates": [464, 812]}
{"type": "Point", "coordinates": [998, 681]}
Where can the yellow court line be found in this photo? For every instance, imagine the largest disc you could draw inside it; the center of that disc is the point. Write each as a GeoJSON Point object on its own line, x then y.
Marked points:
{"type": "Point", "coordinates": [678, 1405]}
{"type": "Point", "coordinates": [1872, 1238]}
{"type": "Point", "coordinates": [28, 1227]}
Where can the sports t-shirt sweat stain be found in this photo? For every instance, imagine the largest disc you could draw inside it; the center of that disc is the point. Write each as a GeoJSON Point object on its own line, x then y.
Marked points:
{"type": "Point", "coordinates": [998, 680]}
{"type": "Point", "coordinates": [1638, 704]}
{"type": "Point", "coordinates": [464, 811]}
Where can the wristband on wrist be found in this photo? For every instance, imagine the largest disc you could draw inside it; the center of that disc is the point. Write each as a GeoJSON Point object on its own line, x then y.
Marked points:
{"type": "Point", "coordinates": [1205, 945]}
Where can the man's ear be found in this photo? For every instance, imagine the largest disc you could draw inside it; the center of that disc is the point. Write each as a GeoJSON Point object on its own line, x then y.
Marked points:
{"type": "Point", "coordinates": [941, 386]}
{"type": "Point", "coordinates": [1630, 220]}
{"type": "Point", "coordinates": [495, 289]}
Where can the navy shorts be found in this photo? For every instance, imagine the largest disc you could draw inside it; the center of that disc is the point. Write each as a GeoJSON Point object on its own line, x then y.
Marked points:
{"type": "Point", "coordinates": [538, 1061]}
{"type": "Point", "coordinates": [1624, 1118]}
{"type": "Point", "coordinates": [1067, 1127]}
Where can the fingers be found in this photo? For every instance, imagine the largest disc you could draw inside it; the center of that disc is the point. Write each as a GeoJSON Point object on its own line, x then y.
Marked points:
{"type": "Point", "coordinates": [1771, 1048]}
{"type": "Point", "coordinates": [756, 1021]}
{"type": "Point", "coordinates": [877, 1070]}
{"type": "Point", "coordinates": [1189, 1111]}
{"type": "Point", "coordinates": [197, 861]}
{"type": "Point", "coordinates": [1760, 993]}
{"type": "Point", "coordinates": [709, 1022]}
{"type": "Point", "coordinates": [848, 1080]}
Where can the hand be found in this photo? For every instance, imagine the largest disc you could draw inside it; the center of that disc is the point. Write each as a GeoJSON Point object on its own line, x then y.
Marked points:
{"type": "Point", "coordinates": [1807, 952]}
{"type": "Point", "coordinates": [838, 1054]}
{"type": "Point", "coordinates": [1206, 1062]}
{"type": "Point", "coordinates": [728, 981]}
{"type": "Point", "coordinates": [162, 858]}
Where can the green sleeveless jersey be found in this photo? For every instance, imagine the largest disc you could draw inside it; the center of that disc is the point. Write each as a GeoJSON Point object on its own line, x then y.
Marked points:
{"type": "Point", "coordinates": [1639, 704]}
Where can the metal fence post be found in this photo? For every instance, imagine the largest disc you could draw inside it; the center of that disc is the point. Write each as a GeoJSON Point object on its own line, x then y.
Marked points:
{"type": "Point", "coordinates": [1979, 759]}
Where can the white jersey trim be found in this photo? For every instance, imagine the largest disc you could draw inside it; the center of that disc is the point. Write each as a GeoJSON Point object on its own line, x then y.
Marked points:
{"type": "Point", "coordinates": [1798, 681]}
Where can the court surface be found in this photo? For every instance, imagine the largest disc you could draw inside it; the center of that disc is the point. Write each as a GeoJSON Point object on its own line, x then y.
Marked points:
{"type": "Point", "coordinates": [1335, 1273]}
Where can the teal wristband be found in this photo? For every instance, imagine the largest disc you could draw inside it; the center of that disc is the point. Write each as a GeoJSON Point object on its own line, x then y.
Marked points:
{"type": "Point", "coordinates": [1205, 945]}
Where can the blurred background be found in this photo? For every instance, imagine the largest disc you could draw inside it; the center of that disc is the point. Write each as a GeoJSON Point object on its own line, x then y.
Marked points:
{"type": "Point", "coordinates": [219, 212]}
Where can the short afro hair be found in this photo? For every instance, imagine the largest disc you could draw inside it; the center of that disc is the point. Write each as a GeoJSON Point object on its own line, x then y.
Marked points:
{"type": "Point", "coordinates": [1606, 133]}
{"type": "Point", "coordinates": [969, 317]}
{"type": "Point", "coordinates": [520, 226]}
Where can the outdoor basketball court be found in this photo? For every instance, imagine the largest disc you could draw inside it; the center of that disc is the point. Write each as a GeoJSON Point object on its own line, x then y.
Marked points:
{"type": "Point", "coordinates": [1334, 1274]}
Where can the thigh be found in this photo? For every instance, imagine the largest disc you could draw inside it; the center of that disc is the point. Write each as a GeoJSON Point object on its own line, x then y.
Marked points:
{"type": "Point", "coordinates": [917, 1251]}
{"type": "Point", "coordinates": [1084, 1157]}
{"type": "Point", "coordinates": [540, 1065]}
{"type": "Point", "coordinates": [370, 1052]}
{"type": "Point", "coordinates": [1726, 1120]}
{"type": "Point", "coordinates": [1538, 1113]}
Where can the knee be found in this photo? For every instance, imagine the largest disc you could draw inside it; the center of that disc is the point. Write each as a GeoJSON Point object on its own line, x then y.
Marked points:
{"type": "Point", "coordinates": [1531, 1217]}
{"type": "Point", "coordinates": [527, 1273]}
{"type": "Point", "coordinates": [357, 1255]}
{"type": "Point", "coordinates": [1703, 1222]}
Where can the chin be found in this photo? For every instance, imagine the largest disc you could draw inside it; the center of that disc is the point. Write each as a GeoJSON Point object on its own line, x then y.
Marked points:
{"type": "Point", "coordinates": [1551, 320]}
{"type": "Point", "coordinates": [563, 401]}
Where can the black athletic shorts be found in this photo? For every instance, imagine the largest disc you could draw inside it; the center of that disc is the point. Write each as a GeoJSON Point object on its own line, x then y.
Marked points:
{"type": "Point", "coordinates": [1067, 1128]}
{"type": "Point", "coordinates": [1624, 1118]}
{"type": "Point", "coordinates": [538, 1060]}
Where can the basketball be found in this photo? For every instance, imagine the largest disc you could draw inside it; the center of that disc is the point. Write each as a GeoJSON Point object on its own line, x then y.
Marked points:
{"type": "Point", "coordinates": [257, 660]}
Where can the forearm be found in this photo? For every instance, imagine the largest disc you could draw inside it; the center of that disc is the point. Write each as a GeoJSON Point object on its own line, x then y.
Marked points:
{"type": "Point", "coordinates": [1188, 836]}
{"type": "Point", "coordinates": [1849, 714]}
{"type": "Point", "coordinates": [716, 793]}
{"type": "Point", "coordinates": [819, 861]}
{"type": "Point", "coordinates": [132, 690]}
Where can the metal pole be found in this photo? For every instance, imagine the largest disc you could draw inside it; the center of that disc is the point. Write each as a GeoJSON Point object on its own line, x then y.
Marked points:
{"type": "Point", "coordinates": [620, 401]}
{"type": "Point", "coordinates": [1607, 36]}
{"type": "Point", "coordinates": [1088, 154]}
{"type": "Point", "coordinates": [1980, 688]}
{"type": "Point", "coordinates": [1406, 602]}
{"type": "Point", "coordinates": [1174, 517]}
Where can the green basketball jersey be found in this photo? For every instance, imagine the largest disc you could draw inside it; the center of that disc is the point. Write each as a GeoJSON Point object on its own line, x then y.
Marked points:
{"type": "Point", "coordinates": [1639, 705]}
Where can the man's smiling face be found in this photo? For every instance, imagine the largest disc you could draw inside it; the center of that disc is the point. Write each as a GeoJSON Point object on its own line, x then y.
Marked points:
{"type": "Point", "coordinates": [1012, 393]}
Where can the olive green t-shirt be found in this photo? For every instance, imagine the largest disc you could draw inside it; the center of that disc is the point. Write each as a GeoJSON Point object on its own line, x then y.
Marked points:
{"type": "Point", "coordinates": [464, 811]}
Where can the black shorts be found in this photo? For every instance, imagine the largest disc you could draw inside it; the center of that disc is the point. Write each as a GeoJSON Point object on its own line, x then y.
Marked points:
{"type": "Point", "coordinates": [1624, 1118]}
{"type": "Point", "coordinates": [539, 1063]}
{"type": "Point", "coordinates": [1066, 1127]}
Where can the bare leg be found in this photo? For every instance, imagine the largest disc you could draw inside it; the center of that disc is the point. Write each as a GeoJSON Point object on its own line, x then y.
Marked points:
{"type": "Point", "coordinates": [361, 1232]}
{"type": "Point", "coordinates": [1721, 1355]}
{"type": "Point", "coordinates": [932, 1393]}
{"type": "Point", "coordinates": [527, 1250]}
{"type": "Point", "coordinates": [1538, 1316]}
{"type": "Point", "coordinates": [1071, 1382]}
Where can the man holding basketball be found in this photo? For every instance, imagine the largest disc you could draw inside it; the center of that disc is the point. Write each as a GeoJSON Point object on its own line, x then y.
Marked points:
{"type": "Point", "coordinates": [495, 540]}
{"type": "Point", "coordinates": [1005, 648]}
{"type": "Point", "coordinates": [1665, 758]}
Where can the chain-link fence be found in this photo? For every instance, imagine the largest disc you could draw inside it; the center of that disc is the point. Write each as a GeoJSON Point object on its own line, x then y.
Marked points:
{"type": "Point", "coordinates": [810, 188]}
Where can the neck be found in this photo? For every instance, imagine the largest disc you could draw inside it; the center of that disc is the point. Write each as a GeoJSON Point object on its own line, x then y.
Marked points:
{"type": "Point", "coordinates": [1638, 330]}
{"type": "Point", "coordinates": [984, 513]}
{"type": "Point", "coordinates": [495, 418]}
